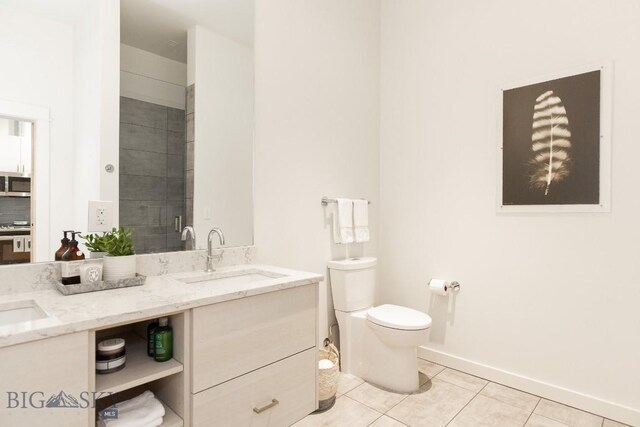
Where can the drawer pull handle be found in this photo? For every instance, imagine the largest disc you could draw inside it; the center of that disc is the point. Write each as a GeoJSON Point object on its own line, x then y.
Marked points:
{"type": "Point", "coordinates": [273, 403]}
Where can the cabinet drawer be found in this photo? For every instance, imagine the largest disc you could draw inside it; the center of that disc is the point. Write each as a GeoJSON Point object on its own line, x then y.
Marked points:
{"type": "Point", "coordinates": [36, 371]}
{"type": "Point", "coordinates": [239, 336]}
{"type": "Point", "coordinates": [290, 382]}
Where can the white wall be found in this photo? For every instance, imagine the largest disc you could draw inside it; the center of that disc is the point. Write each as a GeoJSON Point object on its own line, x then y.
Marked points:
{"type": "Point", "coordinates": [551, 297]}
{"type": "Point", "coordinates": [152, 78]}
{"type": "Point", "coordinates": [223, 150]}
{"type": "Point", "coordinates": [96, 109]}
{"type": "Point", "coordinates": [317, 101]}
{"type": "Point", "coordinates": [37, 69]}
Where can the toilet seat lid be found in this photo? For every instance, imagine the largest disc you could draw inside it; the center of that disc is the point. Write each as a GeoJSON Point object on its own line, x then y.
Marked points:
{"type": "Point", "coordinates": [398, 317]}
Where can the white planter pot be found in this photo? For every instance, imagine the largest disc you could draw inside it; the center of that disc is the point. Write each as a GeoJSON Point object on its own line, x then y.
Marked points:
{"type": "Point", "coordinates": [118, 267]}
{"type": "Point", "coordinates": [96, 255]}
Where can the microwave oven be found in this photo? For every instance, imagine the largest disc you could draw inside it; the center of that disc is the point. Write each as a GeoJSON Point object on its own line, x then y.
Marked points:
{"type": "Point", "coordinates": [15, 185]}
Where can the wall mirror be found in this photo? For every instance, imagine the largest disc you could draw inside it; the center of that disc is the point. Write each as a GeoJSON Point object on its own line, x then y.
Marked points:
{"type": "Point", "coordinates": [175, 122]}
{"type": "Point", "coordinates": [15, 190]}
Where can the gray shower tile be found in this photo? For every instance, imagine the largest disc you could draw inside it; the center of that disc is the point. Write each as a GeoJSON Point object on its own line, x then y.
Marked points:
{"type": "Point", "coordinates": [175, 208]}
{"type": "Point", "coordinates": [138, 239]}
{"type": "Point", "coordinates": [190, 128]}
{"type": "Point", "coordinates": [175, 189]}
{"type": "Point", "coordinates": [190, 101]}
{"type": "Point", "coordinates": [175, 166]}
{"type": "Point", "coordinates": [154, 230]}
{"type": "Point", "coordinates": [157, 215]}
{"type": "Point", "coordinates": [133, 213]}
{"type": "Point", "coordinates": [143, 188]}
{"type": "Point", "coordinates": [189, 153]}
{"type": "Point", "coordinates": [142, 113]}
{"type": "Point", "coordinates": [134, 137]}
{"type": "Point", "coordinates": [189, 184]}
{"type": "Point", "coordinates": [176, 142]}
{"type": "Point", "coordinates": [134, 162]}
{"type": "Point", "coordinates": [175, 119]}
{"type": "Point", "coordinates": [188, 211]}
{"type": "Point", "coordinates": [174, 242]}
{"type": "Point", "coordinates": [155, 243]}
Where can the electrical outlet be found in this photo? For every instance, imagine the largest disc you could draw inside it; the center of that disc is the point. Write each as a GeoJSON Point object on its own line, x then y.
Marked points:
{"type": "Point", "coordinates": [100, 216]}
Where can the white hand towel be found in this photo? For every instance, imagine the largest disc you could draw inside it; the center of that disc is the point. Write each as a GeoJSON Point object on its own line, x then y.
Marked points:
{"type": "Point", "coordinates": [361, 220]}
{"type": "Point", "coordinates": [343, 221]}
{"type": "Point", "coordinates": [141, 411]}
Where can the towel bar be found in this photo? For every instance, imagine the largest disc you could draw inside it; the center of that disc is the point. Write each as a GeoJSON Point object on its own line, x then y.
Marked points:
{"type": "Point", "coordinates": [325, 201]}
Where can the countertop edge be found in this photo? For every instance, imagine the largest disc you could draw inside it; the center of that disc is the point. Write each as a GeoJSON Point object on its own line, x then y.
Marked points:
{"type": "Point", "coordinates": [51, 329]}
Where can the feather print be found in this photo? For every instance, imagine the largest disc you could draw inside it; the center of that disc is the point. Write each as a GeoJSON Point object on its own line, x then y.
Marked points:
{"type": "Point", "coordinates": [550, 142]}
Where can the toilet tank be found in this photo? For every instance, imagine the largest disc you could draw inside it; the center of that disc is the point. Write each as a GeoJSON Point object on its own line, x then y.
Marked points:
{"type": "Point", "coordinates": [353, 283]}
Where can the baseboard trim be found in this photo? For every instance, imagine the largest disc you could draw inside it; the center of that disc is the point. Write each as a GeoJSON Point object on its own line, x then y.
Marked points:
{"type": "Point", "coordinates": [553, 392]}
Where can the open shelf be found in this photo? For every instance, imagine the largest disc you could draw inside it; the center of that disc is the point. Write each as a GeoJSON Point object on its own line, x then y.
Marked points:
{"type": "Point", "coordinates": [171, 419]}
{"type": "Point", "coordinates": [139, 369]}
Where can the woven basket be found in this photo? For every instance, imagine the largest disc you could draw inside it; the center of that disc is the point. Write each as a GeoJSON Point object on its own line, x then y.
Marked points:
{"type": "Point", "coordinates": [328, 378]}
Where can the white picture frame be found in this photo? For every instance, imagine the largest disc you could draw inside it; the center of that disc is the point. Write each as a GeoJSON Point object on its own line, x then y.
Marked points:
{"type": "Point", "coordinates": [604, 203]}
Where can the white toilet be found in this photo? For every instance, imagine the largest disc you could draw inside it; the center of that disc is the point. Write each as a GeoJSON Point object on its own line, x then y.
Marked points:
{"type": "Point", "coordinates": [378, 344]}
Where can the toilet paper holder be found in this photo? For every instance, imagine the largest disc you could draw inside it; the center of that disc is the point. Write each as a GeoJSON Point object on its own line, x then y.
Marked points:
{"type": "Point", "coordinates": [454, 286]}
{"type": "Point", "coordinates": [443, 287]}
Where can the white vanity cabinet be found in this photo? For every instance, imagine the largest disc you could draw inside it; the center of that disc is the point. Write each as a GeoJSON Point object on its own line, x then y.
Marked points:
{"type": "Point", "coordinates": [54, 372]}
{"type": "Point", "coordinates": [254, 360]}
{"type": "Point", "coordinates": [248, 361]}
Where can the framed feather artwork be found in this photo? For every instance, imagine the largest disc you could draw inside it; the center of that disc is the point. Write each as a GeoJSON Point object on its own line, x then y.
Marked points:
{"type": "Point", "coordinates": [554, 154]}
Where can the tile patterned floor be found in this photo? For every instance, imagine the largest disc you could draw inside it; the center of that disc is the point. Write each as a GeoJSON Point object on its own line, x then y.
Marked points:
{"type": "Point", "coordinates": [447, 398]}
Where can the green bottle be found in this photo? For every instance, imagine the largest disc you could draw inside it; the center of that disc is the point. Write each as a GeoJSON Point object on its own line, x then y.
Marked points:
{"type": "Point", "coordinates": [163, 337]}
{"type": "Point", "coordinates": [151, 340]}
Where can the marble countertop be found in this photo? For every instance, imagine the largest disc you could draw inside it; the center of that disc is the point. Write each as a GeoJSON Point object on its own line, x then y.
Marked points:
{"type": "Point", "coordinates": [159, 296]}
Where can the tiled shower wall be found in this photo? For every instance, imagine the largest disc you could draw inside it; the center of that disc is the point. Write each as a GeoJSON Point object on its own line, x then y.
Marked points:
{"type": "Point", "coordinates": [152, 173]}
{"type": "Point", "coordinates": [190, 102]}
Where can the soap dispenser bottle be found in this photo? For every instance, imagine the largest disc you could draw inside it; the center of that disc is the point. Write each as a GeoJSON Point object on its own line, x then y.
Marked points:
{"type": "Point", "coordinates": [64, 245]}
{"type": "Point", "coordinates": [163, 337]}
{"type": "Point", "coordinates": [73, 253]}
{"type": "Point", "coordinates": [77, 255]}
{"type": "Point", "coordinates": [69, 271]}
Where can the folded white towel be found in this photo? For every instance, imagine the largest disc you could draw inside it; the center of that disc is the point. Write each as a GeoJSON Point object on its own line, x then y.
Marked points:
{"type": "Point", "coordinates": [343, 221]}
{"type": "Point", "coordinates": [141, 411]}
{"type": "Point", "coordinates": [361, 220]}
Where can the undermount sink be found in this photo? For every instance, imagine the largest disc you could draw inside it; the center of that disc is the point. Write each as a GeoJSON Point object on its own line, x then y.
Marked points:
{"type": "Point", "coordinates": [19, 312]}
{"type": "Point", "coordinates": [232, 278]}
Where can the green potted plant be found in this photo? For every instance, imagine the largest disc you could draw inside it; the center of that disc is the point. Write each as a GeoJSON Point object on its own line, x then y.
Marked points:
{"type": "Point", "coordinates": [120, 260]}
{"type": "Point", "coordinates": [95, 244]}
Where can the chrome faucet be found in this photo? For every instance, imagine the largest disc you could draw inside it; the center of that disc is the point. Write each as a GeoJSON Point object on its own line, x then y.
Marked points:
{"type": "Point", "coordinates": [185, 232]}
{"type": "Point", "coordinates": [209, 268]}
